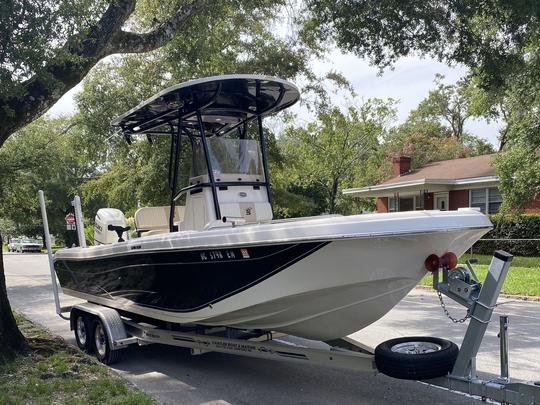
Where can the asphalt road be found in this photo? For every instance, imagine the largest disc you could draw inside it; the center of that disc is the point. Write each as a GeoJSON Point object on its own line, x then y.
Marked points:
{"type": "Point", "coordinates": [172, 375]}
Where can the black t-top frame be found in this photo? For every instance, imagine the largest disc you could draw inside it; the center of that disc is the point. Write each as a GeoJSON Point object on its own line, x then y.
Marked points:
{"type": "Point", "coordinates": [213, 106]}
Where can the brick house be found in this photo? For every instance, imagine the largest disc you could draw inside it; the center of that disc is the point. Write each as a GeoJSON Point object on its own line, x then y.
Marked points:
{"type": "Point", "coordinates": [444, 185]}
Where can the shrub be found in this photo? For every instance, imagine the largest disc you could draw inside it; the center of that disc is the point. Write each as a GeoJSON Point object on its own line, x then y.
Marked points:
{"type": "Point", "coordinates": [89, 234]}
{"type": "Point", "coordinates": [512, 227]}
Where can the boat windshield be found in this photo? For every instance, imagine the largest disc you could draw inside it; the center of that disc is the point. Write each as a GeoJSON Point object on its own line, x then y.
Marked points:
{"type": "Point", "coordinates": [227, 155]}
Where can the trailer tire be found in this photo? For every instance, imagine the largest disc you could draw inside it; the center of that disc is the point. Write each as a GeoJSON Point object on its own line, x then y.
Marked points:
{"type": "Point", "coordinates": [102, 347]}
{"type": "Point", "coordinates": [82, 327]}
{"type": "Point", "coordinates": [416, 358]}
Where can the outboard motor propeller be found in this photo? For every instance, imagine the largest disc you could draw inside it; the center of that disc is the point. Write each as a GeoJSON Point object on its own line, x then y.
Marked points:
{"type": "Point", "coordinates": [119, 231]}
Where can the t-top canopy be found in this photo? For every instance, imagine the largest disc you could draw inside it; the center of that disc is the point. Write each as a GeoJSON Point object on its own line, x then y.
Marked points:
{"type": "Point", "coordinates": [224, 102]}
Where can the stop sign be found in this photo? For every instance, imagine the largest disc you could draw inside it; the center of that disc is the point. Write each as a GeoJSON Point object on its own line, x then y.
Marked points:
{"type": "Point", "coordinates": [70, 219]}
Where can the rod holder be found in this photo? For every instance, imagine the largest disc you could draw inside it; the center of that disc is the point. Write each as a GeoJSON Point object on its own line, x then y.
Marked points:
{"type": "Point", "coordinates": [49, 251]}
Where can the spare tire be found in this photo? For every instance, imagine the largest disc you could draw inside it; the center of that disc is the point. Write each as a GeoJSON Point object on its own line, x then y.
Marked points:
{"type": "Point", "coordinates": [416, 358]}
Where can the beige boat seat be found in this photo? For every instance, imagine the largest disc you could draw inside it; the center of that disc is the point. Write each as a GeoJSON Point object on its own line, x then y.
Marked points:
{"type": "Point", "coordinates": [155, 220]}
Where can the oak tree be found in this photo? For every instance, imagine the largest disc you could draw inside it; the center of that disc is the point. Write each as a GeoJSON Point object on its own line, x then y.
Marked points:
{"type": "Point", "coordinates": [48, 47]}
{"type": "Point", "coordinates": [498, 40]}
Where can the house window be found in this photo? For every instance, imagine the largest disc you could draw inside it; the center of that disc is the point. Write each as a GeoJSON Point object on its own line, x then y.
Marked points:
{"type": "Point", "coordinates": [419, 202]}
{"type": "Point", "coordinates": [494, 199]}
{"type": "Point", "coordinates": [487, 199]}
{"type": "Point", "coordinates": [406, 203]}
{"type": "Point", "coordinates": [392, 206]}
{"type": "Point", "coordinates": [478, 199]}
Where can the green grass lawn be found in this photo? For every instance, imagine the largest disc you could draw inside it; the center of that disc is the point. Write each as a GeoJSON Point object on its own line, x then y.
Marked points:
{"type": "Point", "coordinates": [53, 372]}
{"type": "Point", "coordinates": [517, 261]}
{"type": "Point", "coordinates": [522, 279]}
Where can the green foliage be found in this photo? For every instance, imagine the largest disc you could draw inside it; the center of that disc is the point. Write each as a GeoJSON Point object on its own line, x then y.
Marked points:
{"type": "Point", "coordinates": [34, 32]}
{"type": "Point", "coordinates": [330, 153]}
{"type": "Point", "coordinates": [89, 233]}
{"type": "Point", "coordinates": [41, 156]}
{"type": "Point", "coordinates": [446, 103]}
{"type": "Point", "coordinates": [491, 37]}
{"type": "Point", "coordinates": [498, 40]}
{"type": "Point", "coordinates": [518, 166]}
{"type": "Point", "coordinates": [424, 149]}
{"type": "Point", "coordinates": [518, 170]}
{"type": "Point", "coordinates": [512, 227]}
{"type": "Point", "coordinates": [531, 262]}
{"type": "Point", "coordinates": [434, 130]}
{"type": "Point", "coordinates": [8, 229]}
{"type": "Point", "coordinates": [517, 103]}
{"type": "Point", "coordinates": [293, 201]}
{"type": "Point", "coordinates": [232, 37]}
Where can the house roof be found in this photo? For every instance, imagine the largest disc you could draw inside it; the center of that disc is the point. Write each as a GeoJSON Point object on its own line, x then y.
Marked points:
{"type": "Point", "coordinates": [472, 167]}
{"type": "Point", "coordinates": [437, 176]}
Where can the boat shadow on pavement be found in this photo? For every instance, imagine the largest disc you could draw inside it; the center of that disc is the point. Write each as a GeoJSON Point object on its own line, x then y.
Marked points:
{"type": "Point", "coordinates": [173, 375]}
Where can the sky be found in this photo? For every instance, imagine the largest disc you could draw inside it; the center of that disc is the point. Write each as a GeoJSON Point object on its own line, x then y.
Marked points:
{"type": "Point", "coordinates": [409, 82]}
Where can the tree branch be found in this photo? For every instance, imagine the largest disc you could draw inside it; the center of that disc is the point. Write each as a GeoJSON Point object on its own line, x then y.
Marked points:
{"type": "Point", "coordinates": [46, 87]}
{"type": "Point", "coordinates": [83, 51]}
{"type": "Point", "coordinates": [130, 42]}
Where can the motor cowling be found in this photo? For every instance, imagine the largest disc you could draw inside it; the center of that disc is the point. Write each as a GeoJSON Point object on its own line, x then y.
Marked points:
{"type": "Point", "coordinates": [107, 220]}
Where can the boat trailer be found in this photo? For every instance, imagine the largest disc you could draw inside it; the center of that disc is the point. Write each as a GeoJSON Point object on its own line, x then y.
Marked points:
{"type": "Point", "coordinates": [460, 284]}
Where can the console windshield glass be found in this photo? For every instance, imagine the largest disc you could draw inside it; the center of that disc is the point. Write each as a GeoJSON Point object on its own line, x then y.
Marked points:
{"type": "Point", "coordinates": [234, 156]}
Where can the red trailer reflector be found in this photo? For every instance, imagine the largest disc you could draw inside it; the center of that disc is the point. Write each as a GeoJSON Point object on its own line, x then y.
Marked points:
{"type": "Point", "coordinates": [448, 260]}
{"type": "Point", "coordinates": [432, 263]}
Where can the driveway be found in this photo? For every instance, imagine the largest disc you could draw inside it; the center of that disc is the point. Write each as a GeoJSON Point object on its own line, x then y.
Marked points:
{"type": "Point", "coordinates": [172, 375]}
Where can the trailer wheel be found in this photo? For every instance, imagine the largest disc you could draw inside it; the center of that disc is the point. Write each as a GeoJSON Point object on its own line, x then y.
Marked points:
{"type": "Point", "coordinates": [416, 358]}
{"type": "Point", "coordinates": [82, 328]}
{"type": "Point", "coordinates": [102, 347]}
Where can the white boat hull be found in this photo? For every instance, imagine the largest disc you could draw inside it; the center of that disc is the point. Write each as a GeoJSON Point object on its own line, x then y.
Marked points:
{"type": "Point", "coordinates": [341, 288]}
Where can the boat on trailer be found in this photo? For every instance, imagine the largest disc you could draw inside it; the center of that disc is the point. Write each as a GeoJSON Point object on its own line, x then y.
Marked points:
{"type": "Point", "coordinates": [221, 259]}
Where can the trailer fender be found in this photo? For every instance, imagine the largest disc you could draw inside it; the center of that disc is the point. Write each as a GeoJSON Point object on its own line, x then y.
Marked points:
{"type": "Point", "coordinates": [110, 318]}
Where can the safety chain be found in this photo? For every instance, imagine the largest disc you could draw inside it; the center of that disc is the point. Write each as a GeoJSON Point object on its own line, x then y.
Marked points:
{"type": "Point", "coordinates": [443, 306]}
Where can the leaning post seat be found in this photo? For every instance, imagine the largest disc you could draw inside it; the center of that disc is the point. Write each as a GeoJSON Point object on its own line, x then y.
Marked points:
{"type": "Point", "coordinates": [155, 220]}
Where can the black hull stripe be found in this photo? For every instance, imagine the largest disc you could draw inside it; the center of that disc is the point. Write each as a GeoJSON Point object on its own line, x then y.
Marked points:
{"type": "Point", "coordinates": [268, 275]}
{"type": "Point", "coordinates": [180, 281]}
{"type": "Point", "coordinates": [177, 263]}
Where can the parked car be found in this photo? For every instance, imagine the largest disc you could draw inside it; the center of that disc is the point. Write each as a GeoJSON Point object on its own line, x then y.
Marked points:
{"type": "Point", "coordinates": [28, 245]}
{"type": "Point", "coordinates": [12, 245]}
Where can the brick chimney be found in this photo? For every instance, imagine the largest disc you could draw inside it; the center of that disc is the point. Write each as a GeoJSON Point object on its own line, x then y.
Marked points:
{"type": "Point", "coordinates": [401, 165]}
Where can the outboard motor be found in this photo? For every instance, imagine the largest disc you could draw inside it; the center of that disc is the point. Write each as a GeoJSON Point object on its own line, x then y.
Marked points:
{"type": "Point", "coordinates": [110, 226]}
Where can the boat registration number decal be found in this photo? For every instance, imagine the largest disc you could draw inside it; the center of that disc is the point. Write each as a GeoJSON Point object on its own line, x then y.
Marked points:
{"type": "Point", "coordinates": [226, 254]}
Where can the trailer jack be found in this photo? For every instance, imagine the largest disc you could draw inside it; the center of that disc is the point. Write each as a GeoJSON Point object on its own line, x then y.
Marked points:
{"type": "Point", "coordinates": [462, 286]}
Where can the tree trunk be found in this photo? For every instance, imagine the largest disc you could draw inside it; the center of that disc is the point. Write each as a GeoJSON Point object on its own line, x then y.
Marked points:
{"type": "Point", "coordinates": [12, 340]}
{"type": "Point", "coordinates": [38, 93]}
